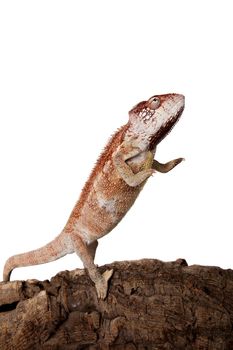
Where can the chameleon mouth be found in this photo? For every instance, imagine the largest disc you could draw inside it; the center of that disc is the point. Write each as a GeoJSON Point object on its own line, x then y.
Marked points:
{"type": "Point", "coordinates": [165, 129]}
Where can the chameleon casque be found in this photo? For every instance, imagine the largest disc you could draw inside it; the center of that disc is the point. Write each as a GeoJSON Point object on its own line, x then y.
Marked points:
{"type": "Point", "coordinates": [115, 182]}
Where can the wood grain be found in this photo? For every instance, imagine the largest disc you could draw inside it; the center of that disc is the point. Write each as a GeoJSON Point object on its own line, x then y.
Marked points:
{"type": "Point", "coordinates": [150, 305]}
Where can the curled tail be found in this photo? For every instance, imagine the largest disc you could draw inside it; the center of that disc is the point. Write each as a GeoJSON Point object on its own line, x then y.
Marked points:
{"type": "Point", "coordinates": [50, 252]}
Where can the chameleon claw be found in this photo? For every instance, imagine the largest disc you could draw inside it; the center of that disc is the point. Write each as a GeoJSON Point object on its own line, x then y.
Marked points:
{"type": "Point", "coordinates": [107, 274]}
{"type": "Point", "coordinates": [102, 284]}
{"type": "Point", "coordinates": [179, 160]}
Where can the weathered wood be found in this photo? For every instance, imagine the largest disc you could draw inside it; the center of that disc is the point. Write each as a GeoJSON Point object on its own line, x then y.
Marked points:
{"type": "Point", "coordinates": [150, 305]}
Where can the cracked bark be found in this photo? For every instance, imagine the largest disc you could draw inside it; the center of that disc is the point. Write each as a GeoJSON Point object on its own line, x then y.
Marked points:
{"type": "Point", "coordinates": [150, 305]}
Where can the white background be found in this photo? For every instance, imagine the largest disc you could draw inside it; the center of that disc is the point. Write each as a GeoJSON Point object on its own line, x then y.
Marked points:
{"type": "Point", "coordinates": [69, 73]}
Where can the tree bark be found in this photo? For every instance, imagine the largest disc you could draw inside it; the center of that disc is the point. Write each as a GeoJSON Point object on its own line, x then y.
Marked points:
{"type": "Point", "coordinates": [150, 305]}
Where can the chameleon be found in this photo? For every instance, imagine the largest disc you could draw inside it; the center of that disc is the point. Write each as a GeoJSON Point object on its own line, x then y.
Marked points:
{"type": "Point", "coordinates": [120, 173]}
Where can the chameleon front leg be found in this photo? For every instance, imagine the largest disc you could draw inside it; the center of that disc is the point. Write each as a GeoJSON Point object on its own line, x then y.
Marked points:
{"type": "Point", "coordinates": [164, 168]}
{"type": "Point", "coordinates": [124, 152]}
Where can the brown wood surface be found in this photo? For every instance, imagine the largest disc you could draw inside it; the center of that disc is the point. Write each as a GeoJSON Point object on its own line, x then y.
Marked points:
{"type": "Point", "coordinates": [150, 305]}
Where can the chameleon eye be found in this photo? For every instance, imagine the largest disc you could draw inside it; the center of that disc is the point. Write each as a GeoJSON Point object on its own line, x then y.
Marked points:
{"type": "Point", "coordinates": [154, 102]}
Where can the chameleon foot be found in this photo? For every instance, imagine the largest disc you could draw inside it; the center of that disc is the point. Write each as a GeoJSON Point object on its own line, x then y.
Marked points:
{"type": "Point", "coordinates": [102, 284]}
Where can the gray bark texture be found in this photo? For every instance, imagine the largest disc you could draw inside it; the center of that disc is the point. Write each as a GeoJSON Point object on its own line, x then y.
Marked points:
{"type": "Point", "coordinates": [150, 305]}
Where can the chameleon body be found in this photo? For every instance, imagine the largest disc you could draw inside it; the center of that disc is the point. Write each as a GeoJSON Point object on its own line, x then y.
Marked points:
{"type": "Point", "coordinates": [115, 182]}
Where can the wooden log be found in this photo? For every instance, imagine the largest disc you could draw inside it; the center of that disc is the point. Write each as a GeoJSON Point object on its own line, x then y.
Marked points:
{"type": "Point", "coordinates": [150, 305]}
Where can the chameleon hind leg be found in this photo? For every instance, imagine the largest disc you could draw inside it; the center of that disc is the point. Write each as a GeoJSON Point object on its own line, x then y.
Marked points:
{"type": "Point", "coordinates": [92, 248]}
{"type": "Point", "coordinates": [86, 254]}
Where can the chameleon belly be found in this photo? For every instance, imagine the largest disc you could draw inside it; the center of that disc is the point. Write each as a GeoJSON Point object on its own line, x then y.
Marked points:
{"type": "Point", "coordinates": [109, 200]}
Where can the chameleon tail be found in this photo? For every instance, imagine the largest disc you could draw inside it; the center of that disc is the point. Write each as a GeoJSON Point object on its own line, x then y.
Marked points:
{"type": "Point", "coordinates": [50, 252]}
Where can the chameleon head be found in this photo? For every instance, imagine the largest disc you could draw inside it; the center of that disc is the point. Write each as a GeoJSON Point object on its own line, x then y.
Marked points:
{"type": "Point", "coordinates": [153, 119]}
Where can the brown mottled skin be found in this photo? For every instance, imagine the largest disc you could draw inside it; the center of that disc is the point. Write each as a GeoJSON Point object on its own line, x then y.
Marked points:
{"type": "Point", "coordinates": [115, 182]}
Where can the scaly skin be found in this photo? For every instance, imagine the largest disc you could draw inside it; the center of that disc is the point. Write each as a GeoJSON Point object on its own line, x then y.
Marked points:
{"type": "Point", "coordinates": [114, 184]}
